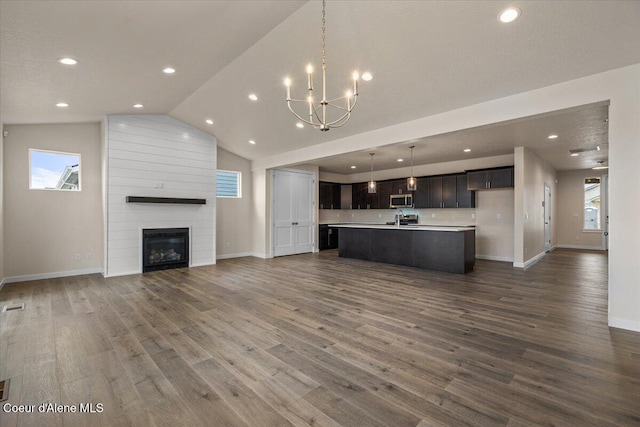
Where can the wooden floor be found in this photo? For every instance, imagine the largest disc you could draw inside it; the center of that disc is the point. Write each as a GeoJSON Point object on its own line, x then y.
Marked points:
{"type": "Point", "coordinates": [324, 341]}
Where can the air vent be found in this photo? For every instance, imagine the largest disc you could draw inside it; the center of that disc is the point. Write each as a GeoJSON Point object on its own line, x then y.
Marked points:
{"type": "Point", "coordinates": [583, 150]}
{"type": "Point", "coordinates": [4, 390]}
{"type": "Point", "coordinates": [14, 307]}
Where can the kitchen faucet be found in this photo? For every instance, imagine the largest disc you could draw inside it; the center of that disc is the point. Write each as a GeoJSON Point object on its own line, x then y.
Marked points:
{"type": "Point", "coordinates": [399, 214]}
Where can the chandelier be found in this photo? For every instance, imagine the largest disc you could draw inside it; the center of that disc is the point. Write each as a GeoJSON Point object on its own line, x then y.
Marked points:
{"type": "Point", "coordinates": [317, 116]}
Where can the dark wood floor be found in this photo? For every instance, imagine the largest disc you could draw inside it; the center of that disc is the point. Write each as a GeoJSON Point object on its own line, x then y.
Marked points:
{"type": "Point", "coordinates": [324, 341]}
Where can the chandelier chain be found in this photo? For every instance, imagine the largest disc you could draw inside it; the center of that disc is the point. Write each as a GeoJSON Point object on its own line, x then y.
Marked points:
{"type": "Point", "coordinates": [324, 41]}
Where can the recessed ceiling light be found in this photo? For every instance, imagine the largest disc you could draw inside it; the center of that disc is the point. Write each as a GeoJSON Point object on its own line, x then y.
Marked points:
{"type": "Point", "coordinates": [299, 125]}
{"type": "Point", "coordinates": [62, 105]}
{"type": "Point", "coordinates": [400, 160]}
{"type": "Point", "coordinates": [353, 167]}
{"type": "Point", "coordinates": [575, 154]}
{"type": "Point", "coordinates": [466, 150]}
{"type": "Point", "coordinates": [169, 70]}
{"type": "Point", "coordinates": [209, 121]}
{"type": "Point", "coordinates": [253, 97]}
{"type": "Point", "coordinates": [68, 61]}
{"type": "Point", "coordinates": [138, 105]}
{"type": "Point", "coordinates": [252, 142]}
{"type": "Point", "coordinates": [553, 136]}
{"type": "Point", "coordinates": [510, 14]}
{"type": "Point", "coordinates": [366, 77]}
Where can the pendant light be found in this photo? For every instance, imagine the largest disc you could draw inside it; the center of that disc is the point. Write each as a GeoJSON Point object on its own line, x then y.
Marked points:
{"type": "Point", "coordinates": [412, 183]}
{"type": "Point", "coordinates": [372, 184]}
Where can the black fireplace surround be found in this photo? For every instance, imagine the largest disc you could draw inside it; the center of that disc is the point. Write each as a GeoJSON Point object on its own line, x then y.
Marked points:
{"type": "Point", "coordinates": [164, 248]}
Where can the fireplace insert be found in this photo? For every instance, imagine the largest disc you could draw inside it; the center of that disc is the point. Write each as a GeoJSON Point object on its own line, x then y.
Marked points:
{"type": "Point", "coordinates": [164, 248]}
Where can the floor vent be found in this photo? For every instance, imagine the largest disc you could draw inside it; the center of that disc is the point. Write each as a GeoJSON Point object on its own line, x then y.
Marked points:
{"type": "Point", "coordinates": [14, 307]}
{"type": "Point", "coordinates": [4, 390]}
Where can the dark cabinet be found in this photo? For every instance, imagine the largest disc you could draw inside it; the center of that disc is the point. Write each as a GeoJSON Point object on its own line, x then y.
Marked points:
{"type": "Point", "coordinates": [346, 192]}
{"type": "Point", "coordinates": [465, 198]}
{"type": "Point", "coordinates": [330, 195]}
{"type": "Point", "coordinates": [449, 191]}
{"type": "Point", "coordinates": [328, 237]}
{"type": "Point", "coordinates": [435, 192]}
{"type": "Point", "coordinates": [384, 194]}
{"type": "Point", "coordinates": [490, 178]}
{"type": "Point", "coordinates": [446, 191]}
{"type": "Point", "coordinates": [399, 186]}
{"type": "Point", "coordinates": [360, 196]}
{"type": "Point", "coordinates": [421, 195]}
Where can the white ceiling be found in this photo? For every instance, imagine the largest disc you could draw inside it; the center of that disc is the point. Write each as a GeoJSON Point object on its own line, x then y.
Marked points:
{"type": "Point", "coordinates": [426, 57]}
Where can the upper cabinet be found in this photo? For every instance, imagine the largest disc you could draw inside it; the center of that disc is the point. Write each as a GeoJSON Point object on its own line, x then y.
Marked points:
{"type": "Point", "coordinates": [490, 179]}
{"type": "Point", "coordinates": [330, 195]}
{"type": "Point", "coordinates": [446, 191]}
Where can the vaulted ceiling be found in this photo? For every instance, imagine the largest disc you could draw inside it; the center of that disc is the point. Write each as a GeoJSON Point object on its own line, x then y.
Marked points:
{"type": "Point", "coordinates": [426, 57]}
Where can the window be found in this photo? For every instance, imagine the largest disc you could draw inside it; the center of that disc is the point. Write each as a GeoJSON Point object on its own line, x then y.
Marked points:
{"type": "Point", "coordinates": [592, 204]}
{"type": "Point", "coordinates": [52, 170]}
{"type": "Point", "coordinates": [229, 184]}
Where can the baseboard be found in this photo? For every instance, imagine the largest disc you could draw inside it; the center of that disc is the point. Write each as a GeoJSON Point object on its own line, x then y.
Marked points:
{"type": "Point", "coordinates": [54, 275]}
{"type": "Point", "coordinates": [121, 273]}
{"type": "Point", "coordinates": [588, 248]}
{"type": "Point", "coordinates": [494, 258]}
{"type": "Point", "coordinates": [236, 255]}
{"type": "Point", "coordinates": [529, 262]}
{"type": "Point", "coordinates": [630, 325]}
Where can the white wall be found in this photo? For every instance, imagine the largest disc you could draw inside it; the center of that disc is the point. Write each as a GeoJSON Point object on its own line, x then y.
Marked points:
{"type": "Point", "coordinates": [570, 202]}
{"type": "Point", "coordinates": [143, 152]}
{"type": "Point", "coordinates": [532, 173]}
{"type": "Point", "coordinates": [621, 87]}
{"type": "Point", "coordinates": [234, 220]}
{"type": "Point", "coordinates": [44, 229]}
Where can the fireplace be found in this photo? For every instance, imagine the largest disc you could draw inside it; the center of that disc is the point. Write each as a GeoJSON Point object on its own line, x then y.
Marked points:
{"type": "Point", "coordinates": [164, 248]}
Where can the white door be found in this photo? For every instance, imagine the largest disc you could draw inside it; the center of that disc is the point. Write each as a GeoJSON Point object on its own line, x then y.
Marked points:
{"type": "Point", "coordinates": [293, 212]}
{"type": "Point", "coordinates": [547, 218]}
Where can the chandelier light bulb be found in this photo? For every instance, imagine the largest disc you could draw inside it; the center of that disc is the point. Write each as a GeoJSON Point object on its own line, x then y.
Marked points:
{"type": "Point", "coordinates": [309, 69]}
{"type": "Point", "coordinates": [287, 82]}
{"type": "Point", "coordinates": [355, 75]}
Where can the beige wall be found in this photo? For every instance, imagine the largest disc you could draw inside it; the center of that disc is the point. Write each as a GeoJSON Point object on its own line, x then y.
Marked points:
{"type": "Point", "coordinates": [45, 229]}
{"type": "Point", "coordinates": [234, 231]}
{"type": "Point", "coordinates": [2, 157]}
{"type": "Point", "coordinates": [570, 203]}
{"type": "Point", "coordinates": [532, 173]}
{"type": "Point", "coordinates": [494, 224]}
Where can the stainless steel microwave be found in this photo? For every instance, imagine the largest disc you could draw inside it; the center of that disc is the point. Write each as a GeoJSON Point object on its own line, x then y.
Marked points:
{"type": "Point", "coordinates": [401, 201]}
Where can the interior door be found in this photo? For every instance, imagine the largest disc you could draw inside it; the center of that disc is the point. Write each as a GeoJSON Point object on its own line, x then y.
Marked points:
{"type": "Point", "coordinates": [283, 236]}
{"type": "Point", "coordinates": [547, 218]}
{"type": "Point", "coordinates": [293, 213]}
{"type": "Point", "coordinates": [605, 198]}
{"type": "Point", "coordinates": [303, 224]}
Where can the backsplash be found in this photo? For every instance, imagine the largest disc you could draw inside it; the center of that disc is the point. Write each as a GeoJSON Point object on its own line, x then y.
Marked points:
{"type": "Point", "coordinates": [455, 217]}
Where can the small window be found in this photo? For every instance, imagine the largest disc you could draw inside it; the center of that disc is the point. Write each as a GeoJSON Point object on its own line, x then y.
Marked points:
{"type": "Point", "coordinates": [592, 204]}
{"type": "Point", "coordinates": [229, 184]}
{"type": "Point", "coordinates": [52, 170]}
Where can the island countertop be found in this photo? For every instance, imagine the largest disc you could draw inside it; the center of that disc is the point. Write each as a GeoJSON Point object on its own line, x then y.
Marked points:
{"type": "Point", "coordinates": [412, 227]}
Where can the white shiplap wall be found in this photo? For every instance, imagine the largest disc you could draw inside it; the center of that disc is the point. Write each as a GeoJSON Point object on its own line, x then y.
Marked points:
{"type": "Point", "coordinates": [146, 152]}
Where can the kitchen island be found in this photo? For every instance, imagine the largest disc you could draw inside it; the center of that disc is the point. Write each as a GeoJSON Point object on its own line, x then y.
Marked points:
{"type": "Point", "coordinates": [450, 249]}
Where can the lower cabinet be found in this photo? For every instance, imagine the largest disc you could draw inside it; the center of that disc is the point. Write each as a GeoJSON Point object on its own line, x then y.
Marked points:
{"type": "Point", "coordinates": [327, 237]}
